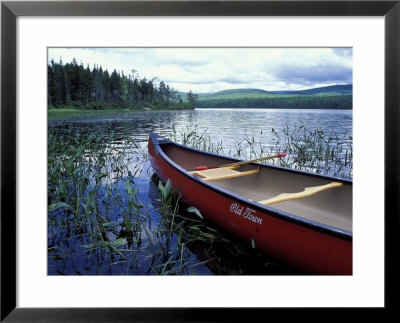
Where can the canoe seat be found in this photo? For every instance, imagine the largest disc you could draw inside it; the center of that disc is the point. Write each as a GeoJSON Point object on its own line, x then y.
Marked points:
{"type": "Point", "coordinates": [308, 191]}
{"type": "Point", "coordinates": [216, 174]}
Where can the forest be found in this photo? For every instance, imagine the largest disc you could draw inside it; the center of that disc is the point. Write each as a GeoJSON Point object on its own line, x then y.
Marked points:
{"type": "Point", "coordinates": [75, 86]}
{"type": "Point", "coordinates": [282, 101]}
{"type": "Point", "coordinates": [72, 85]}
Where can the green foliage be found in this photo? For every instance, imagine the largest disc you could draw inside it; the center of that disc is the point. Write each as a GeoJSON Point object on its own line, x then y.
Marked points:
{"type": "Point", "coordinates": [101, 105]}
{"type": "Point", "coordinates": [77, 105]}
{"type": "Point", "coordinates": [310, 150]}
{"type": "Point", "coordinates": [192, 209]}
{"type": "Point", "coordinates": [166, 193]}
{"type": "Point", "coordinates": [281, 101]}
{"type": "Point", "coordinates": [331, 97]}
{"type": "Point", "coordinates": [98, 224]}
{"type": "Point", "coordinates": [75, 86]}
{"type": "Point", "coordinates": [328, 90]}
{"type": "Point", "coordinates": [192, 98]}
{"type": "Point", "coordinates": [56, 206]}
{"type": "Point", "coordinates": [84, 200]}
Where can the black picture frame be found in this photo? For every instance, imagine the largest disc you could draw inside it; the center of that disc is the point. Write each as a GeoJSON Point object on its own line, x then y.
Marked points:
{"type": "Point", "coordinates": [10, 10]}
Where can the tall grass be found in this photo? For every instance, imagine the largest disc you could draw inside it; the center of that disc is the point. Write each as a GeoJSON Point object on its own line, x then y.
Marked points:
{"type": "Point", "coordinates": [198, 139]}
{"type": "Point", "coordinates": [102, 221]}
{"type": "Point", "coordinates": [311, 150]}
{"type": "Point", "coordinates": [99, 221]}
{"type": "Point", "coordinates": [88, 208]}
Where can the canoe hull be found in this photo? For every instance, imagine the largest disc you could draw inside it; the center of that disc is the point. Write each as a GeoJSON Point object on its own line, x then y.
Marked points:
{"type": "Point", "coordinates": [310, 250]}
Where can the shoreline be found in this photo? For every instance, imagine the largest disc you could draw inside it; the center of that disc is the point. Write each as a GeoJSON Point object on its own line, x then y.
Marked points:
{"type": "Point", "coordinates": [68, 112]}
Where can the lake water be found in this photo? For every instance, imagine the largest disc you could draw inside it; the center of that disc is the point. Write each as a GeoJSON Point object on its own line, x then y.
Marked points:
{"type": "Point", "coordinates": [227, 126]}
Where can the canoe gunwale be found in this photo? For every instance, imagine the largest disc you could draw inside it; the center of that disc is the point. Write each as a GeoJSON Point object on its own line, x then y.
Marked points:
{"type": "Point", "coordinates": [271, 211]}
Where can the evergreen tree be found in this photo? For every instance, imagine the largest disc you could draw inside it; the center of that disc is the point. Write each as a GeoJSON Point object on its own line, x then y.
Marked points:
{"type": "Point", "coordinates": [115, 87]}
{"type": "Point", "coordinates": [192, 98]}
{"type": "Point", "coordinates": [73, 84]}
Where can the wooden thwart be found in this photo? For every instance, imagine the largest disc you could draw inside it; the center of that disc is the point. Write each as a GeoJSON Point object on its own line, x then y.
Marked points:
{"type": "Point", "coordinates": [308, 191]}
{"type": "Point", "coordinates": [216, 174]}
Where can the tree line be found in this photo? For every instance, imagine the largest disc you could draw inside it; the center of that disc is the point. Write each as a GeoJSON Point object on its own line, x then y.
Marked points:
{"type": "Point", "coordinates": [282, 102]}
{"type": "Point", "coordinates": [73, 85]}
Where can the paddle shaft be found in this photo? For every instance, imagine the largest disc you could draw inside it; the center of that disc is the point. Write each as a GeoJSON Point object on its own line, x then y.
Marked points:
{"type": "Point", "coordinates": [240, 163]}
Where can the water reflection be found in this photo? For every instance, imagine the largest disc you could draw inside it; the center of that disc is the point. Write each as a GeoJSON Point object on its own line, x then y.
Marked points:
{"type": "Point", "coordinates": [226, 124]}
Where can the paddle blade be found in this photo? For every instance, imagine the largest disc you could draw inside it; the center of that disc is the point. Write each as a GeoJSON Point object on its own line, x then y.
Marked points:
{"type": "Point", "coordinates": [205, 167]}
{"type": "Point", "coordinates": [281, 155]}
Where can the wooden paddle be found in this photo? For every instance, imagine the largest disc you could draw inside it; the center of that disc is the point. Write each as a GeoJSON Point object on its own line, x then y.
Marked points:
{"type": "Point", "coordinates": [239, 163]}
{"type": "Point", "coordinates": [308, 191]}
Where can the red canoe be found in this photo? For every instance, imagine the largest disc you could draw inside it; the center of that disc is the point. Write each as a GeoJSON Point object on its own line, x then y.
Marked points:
{"type": "Point", "coordinates": [301, 218]}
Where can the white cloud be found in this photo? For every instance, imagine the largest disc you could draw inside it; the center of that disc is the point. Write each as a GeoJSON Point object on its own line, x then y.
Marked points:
{"type": "Point", "coordinates": [214, 69]}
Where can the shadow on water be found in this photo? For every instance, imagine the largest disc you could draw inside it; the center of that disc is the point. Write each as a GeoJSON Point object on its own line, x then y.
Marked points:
{"type": "Point", "coordinates": [170, 241]}
{"type": "Point", "coordinates": [219, 251]}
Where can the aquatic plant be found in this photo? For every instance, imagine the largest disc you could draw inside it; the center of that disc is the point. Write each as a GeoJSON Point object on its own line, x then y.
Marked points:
{"type": "Point", "coordinates": [101, 221]}
{"type": "Point", "coordinates": [193, 137]}
{"type": "Point", "coordinates": [307, 149]}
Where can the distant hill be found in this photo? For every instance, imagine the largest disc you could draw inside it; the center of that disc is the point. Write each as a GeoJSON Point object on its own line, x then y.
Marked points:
{"type": "Point", "coordinates": [329, 97]}
{"type": "Point", "coordinates": [326, 90]}
{"type": "Point", "coordinates": [240, 91]}
{"type": "Point", "coordinates": [227, 93]}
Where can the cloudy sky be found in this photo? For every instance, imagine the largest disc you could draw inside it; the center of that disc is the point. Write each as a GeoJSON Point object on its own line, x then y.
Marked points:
{"type": "Point", "coordinates": [215, 69]}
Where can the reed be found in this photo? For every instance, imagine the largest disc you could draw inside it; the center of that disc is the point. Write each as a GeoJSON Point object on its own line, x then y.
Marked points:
{"type": "Point", "coordinates": [99, 221]}
{"type": "Point", "coordinates": [102, 221]}
{"type": "Point", "coordinates": [193, 137]}
{"type": "Point", "coordinates": [307, 149]}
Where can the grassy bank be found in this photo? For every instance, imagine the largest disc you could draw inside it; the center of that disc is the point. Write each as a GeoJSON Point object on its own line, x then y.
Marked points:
{"type": "Point", "coordinates": [69, 112]}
